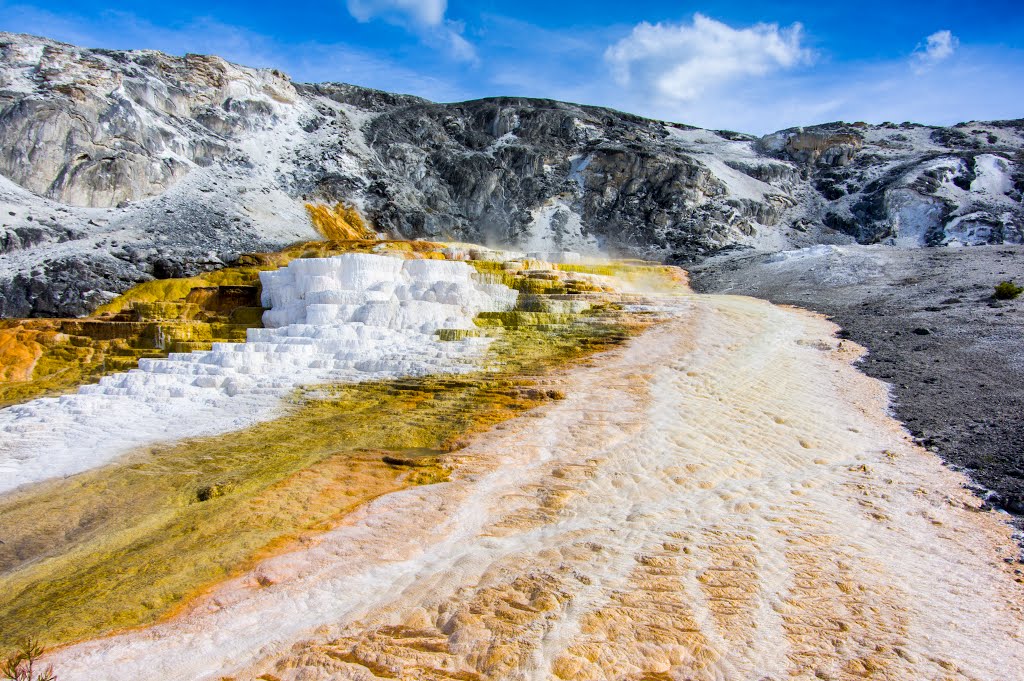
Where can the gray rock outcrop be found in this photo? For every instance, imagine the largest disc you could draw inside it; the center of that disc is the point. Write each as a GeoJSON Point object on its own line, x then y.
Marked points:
{"type": "Point", "coordinates": [122, 166]}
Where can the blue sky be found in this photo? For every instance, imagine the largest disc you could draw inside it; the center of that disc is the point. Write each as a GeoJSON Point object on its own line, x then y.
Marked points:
{"type": "Point", "coordinates": [754, 67]}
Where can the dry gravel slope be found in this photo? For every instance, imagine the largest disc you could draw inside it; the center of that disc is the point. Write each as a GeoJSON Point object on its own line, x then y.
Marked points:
{"type": "Point", "coordinates": [953, 356]}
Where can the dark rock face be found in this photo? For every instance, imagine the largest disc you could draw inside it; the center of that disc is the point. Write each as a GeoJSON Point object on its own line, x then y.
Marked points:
{"type": "Point", "coordinates": [484, 170]}
{"type": "Point", "coordinates": [59, 287]}
{"type": "Point", "coordinates": [141, 165]}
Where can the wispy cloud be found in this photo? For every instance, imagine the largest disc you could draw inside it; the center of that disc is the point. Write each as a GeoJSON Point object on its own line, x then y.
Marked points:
{"type": "Point", "coordinates": [21, 18]}
{"type": "Point", "coordinates": [977, 85]}
{"type": "Point", "coordinates": [938, 47]}
{"type": "Point", "coordinates": [403, 12]}
{"type": "Point", "coordinates": [424, 18]}
{"type": "Point", "coordinates": [702, 71]}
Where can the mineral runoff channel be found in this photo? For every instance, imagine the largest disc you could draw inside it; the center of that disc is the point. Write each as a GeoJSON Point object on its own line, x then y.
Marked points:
{"type": "Point", "coordinates": [613, 479]}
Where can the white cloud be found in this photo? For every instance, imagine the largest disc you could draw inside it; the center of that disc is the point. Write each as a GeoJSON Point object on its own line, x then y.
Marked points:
{"type": "Point", "coordinates": [425, 18]}
{"type": "Point", "coordinates": [938, 47]}
{"type": "Point", "coordinates": [679, 62]}
{"type": "Point", "coordinates": [976, 82]}
{"type": "Point", "coordinates": [404, 12]}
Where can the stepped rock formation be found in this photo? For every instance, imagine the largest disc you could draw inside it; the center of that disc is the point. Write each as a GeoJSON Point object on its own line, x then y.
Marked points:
{"type": "Point", "coordinates": [330, 320]}
{"type": "Point", "coordinates": [122, 166]}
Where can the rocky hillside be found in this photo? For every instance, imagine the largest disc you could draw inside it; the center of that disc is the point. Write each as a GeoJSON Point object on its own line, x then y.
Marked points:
{"type": "Point", "coordinates": [123, 166]}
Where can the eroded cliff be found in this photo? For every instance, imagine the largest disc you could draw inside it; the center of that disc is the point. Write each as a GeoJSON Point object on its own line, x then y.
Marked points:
{"type": "Point", "coordinates": [119, 167]}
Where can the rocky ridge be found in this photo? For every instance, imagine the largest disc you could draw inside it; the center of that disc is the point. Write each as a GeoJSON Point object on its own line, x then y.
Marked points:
{"type": "Point", "coordinates": [123, 166]}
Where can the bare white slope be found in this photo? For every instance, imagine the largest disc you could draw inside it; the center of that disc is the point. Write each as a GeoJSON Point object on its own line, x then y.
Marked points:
{"type": "Point", "coordinates": [724, 499]}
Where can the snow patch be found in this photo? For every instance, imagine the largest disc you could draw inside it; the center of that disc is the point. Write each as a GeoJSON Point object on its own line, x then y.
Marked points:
{"type": "Point", "coordinates": [739, 184]}
{"type": "Point", "coordinates": [969, 230]}
{"type": "Point", "coordinates": [556, 227]}
{"type": "Point", "coordinates": [915, 217]}
{"type": "Point", "coordinates": [506, 140]}
{"type": "Point", "coordinates": [993, 175]}
{"type": "Point", "coordinates": [578, 165]}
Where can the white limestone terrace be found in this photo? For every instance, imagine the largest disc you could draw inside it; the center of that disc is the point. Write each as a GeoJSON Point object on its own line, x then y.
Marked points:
{"type": "Point", "coordinates": [352, 317]}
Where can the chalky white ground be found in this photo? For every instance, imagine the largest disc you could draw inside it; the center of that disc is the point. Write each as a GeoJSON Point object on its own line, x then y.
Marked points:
{"type": "Point", "coordinates": [724, 498]}
{"type": "Point", "coordinates": [350, 317]}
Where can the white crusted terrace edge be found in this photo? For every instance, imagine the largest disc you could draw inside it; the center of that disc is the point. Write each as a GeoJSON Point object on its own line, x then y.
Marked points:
{"type": "Point", "coordinates": [347, 318]}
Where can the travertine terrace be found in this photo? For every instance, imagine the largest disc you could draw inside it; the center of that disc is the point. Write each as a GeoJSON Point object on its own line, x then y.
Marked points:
{"type": "Point", "coordinates": [329, 319]}
{"type": "Point", "coordinates": [723, 497]}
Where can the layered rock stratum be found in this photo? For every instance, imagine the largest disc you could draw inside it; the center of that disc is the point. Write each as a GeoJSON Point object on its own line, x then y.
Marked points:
{"type": "Point", "coordinates": [122, 166]}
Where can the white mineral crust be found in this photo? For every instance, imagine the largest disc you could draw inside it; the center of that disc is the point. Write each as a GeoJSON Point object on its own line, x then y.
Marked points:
{"type": "Point", "coordinates": [353, 317]}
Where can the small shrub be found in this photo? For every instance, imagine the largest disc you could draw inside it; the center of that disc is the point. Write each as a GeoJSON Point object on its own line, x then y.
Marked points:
{"type": "Point", "coordinates": [20, 666]}
{"type": "Point", "coordinates": [1007, 290]}
{"type": "Point", "coordinates": [207, 492]}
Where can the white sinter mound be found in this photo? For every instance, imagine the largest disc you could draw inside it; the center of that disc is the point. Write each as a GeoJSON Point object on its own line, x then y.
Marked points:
{"type": "Point", "coordinates": [348, 318]}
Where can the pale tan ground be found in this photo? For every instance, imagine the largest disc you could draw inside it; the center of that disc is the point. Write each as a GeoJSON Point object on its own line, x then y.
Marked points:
{"type": "Point", "coordinates": [722, 499]}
